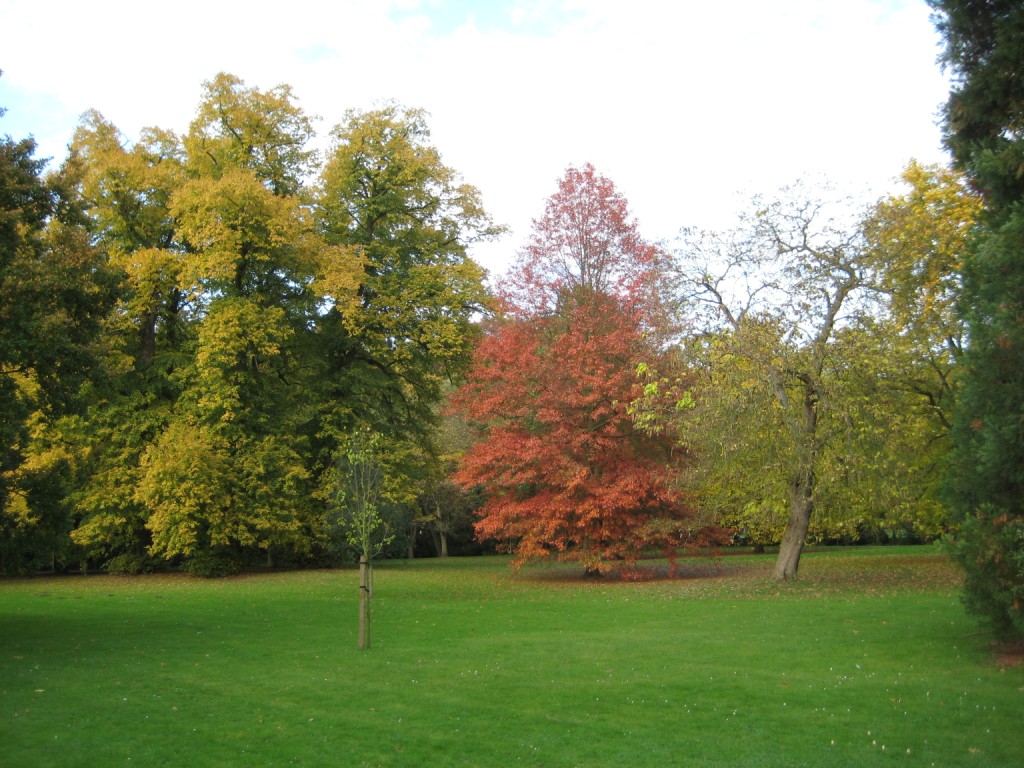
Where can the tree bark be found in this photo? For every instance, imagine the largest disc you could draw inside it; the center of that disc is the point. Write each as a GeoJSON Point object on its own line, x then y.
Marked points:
{"type": "Point", "coordinates": [801, 506]}
{"type": "Point", "coordinates": [444, 544]}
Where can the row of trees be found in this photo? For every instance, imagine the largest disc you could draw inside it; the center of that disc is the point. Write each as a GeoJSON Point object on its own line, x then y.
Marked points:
{"type": "Point", "coordinates": [246, 313]}
{"type": "Point", "coordinates": [195, 327]}
{"type": "Point", "coordinates": [816, 365]}
{"type": "Point", "coordinates": [787, 380]}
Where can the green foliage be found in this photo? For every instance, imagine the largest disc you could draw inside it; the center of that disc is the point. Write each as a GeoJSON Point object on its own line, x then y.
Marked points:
{"type": "Point", "coordinates": [372, 477]}
{"type": "Point", "coordinates": [212, 564]}
{"type": "Point", "coordinates": [263, 132]}
{"type": "Point", "coordinates": [780, 308]}
{"type": "Point", "coordinates": [983, 120]}
{"type": "Point", "coordinates": [126, 191]}
{"type": "Point", "coordinates": [825, 352]}
{"type": "Point", "coordinates": [129, 564]}
{"type": "Point", "coordinates": [212, 488]}
{"type": "Point", "coordinates": [987, 474]}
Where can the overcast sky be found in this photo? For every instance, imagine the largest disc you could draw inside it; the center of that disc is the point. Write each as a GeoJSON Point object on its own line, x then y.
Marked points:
{"type": "Point", "coordinates": [688, 106]}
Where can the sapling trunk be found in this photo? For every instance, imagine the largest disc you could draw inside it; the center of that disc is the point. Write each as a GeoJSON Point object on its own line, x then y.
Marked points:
{"type": "Point", "coordinates": [365, 582]}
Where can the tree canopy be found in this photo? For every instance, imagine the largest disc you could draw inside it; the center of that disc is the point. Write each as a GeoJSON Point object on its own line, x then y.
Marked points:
{"type": "Point", "coordinates": [200, 332]}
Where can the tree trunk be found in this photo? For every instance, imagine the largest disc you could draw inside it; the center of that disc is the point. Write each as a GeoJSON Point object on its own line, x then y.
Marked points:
{"type": "Point", "coordinates": [147, 337]}
{"type": "Point", "coordinates": [444, 544]}
{"type": "Point", "coordinates": [364, 603]}
{"type": "Point", "coordinates": [801, 505]}
{"type": "Point", "coordinates": [801, 484]}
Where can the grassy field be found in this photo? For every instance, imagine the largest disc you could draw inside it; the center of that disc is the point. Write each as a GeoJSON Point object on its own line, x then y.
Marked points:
{"type": "Point", "coordinates": [869, 660]}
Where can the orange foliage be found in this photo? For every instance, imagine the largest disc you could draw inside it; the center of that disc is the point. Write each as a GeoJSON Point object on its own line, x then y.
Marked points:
{"type": "Point", "coordinates": [564, 468]}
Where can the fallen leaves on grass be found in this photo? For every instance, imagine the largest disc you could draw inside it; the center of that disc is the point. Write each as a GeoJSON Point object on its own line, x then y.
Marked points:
{"type": "Point", "coordinates": [824, 573]}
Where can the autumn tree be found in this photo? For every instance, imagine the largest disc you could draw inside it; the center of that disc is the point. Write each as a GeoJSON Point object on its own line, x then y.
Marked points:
{"type": "Point", "coordinates": [984, 127]}
{"type": "Point", "coordinates": [239, 432]}
{"type": "Point", "coordinates": [264, 313]}
{"type": "Point", "coordinates": [126, 190]}
{"type": "Point", "coordinates": [783, 332]}
{"type": "Point", "coordinates": [823, 346]}
{"type": "Point", "coordinates": [563, 467]}
{"type": "Point", "coordinates": [195, 445]}
{"type": "Point", "coordinates": [915, 241]}
{"type": "Point", "coordinates": [264, 307]}
{"type": "Point", "coordinates": [400, 328]}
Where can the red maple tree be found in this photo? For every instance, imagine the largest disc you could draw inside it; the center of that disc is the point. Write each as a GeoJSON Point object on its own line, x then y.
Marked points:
{"type": "Point", "coordinates": [585, 241]}
{"type": "Point", "coordinates": [564, 468]}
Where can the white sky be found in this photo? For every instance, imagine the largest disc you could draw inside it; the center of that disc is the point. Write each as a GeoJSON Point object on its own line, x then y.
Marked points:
{"type": "Point", "coordinates": [688, 106]}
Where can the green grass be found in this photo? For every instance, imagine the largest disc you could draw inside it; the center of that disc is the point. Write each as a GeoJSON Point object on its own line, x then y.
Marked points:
{"type": "Point", "coordinates": [869, 660]}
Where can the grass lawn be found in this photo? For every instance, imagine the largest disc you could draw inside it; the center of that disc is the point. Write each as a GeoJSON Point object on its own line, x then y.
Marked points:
{"type": "Point", "coordinates": [869, 660]}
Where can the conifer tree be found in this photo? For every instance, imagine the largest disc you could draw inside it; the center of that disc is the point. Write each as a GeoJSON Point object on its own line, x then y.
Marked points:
{"type": "Point", "coordinates": [984, 124]}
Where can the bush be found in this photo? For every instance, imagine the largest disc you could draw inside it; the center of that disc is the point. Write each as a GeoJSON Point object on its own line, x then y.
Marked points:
{"type": "Point", "coordinates": [131, 564]}
{"type": "Point", "coordinates": [211, 565]}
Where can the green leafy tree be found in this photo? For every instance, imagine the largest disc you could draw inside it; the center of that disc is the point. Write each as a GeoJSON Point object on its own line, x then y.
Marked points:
{"type": "Point", "coordinates": [984, 124]}
{"type": "Point", "coordinates": [824, 356]}
{"type": "Point", "coordinates": [54, 291]}
{"type": "Point", "coordinates": [446, 511]}
{"type": "Point", "coordinates": [777, 294]}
